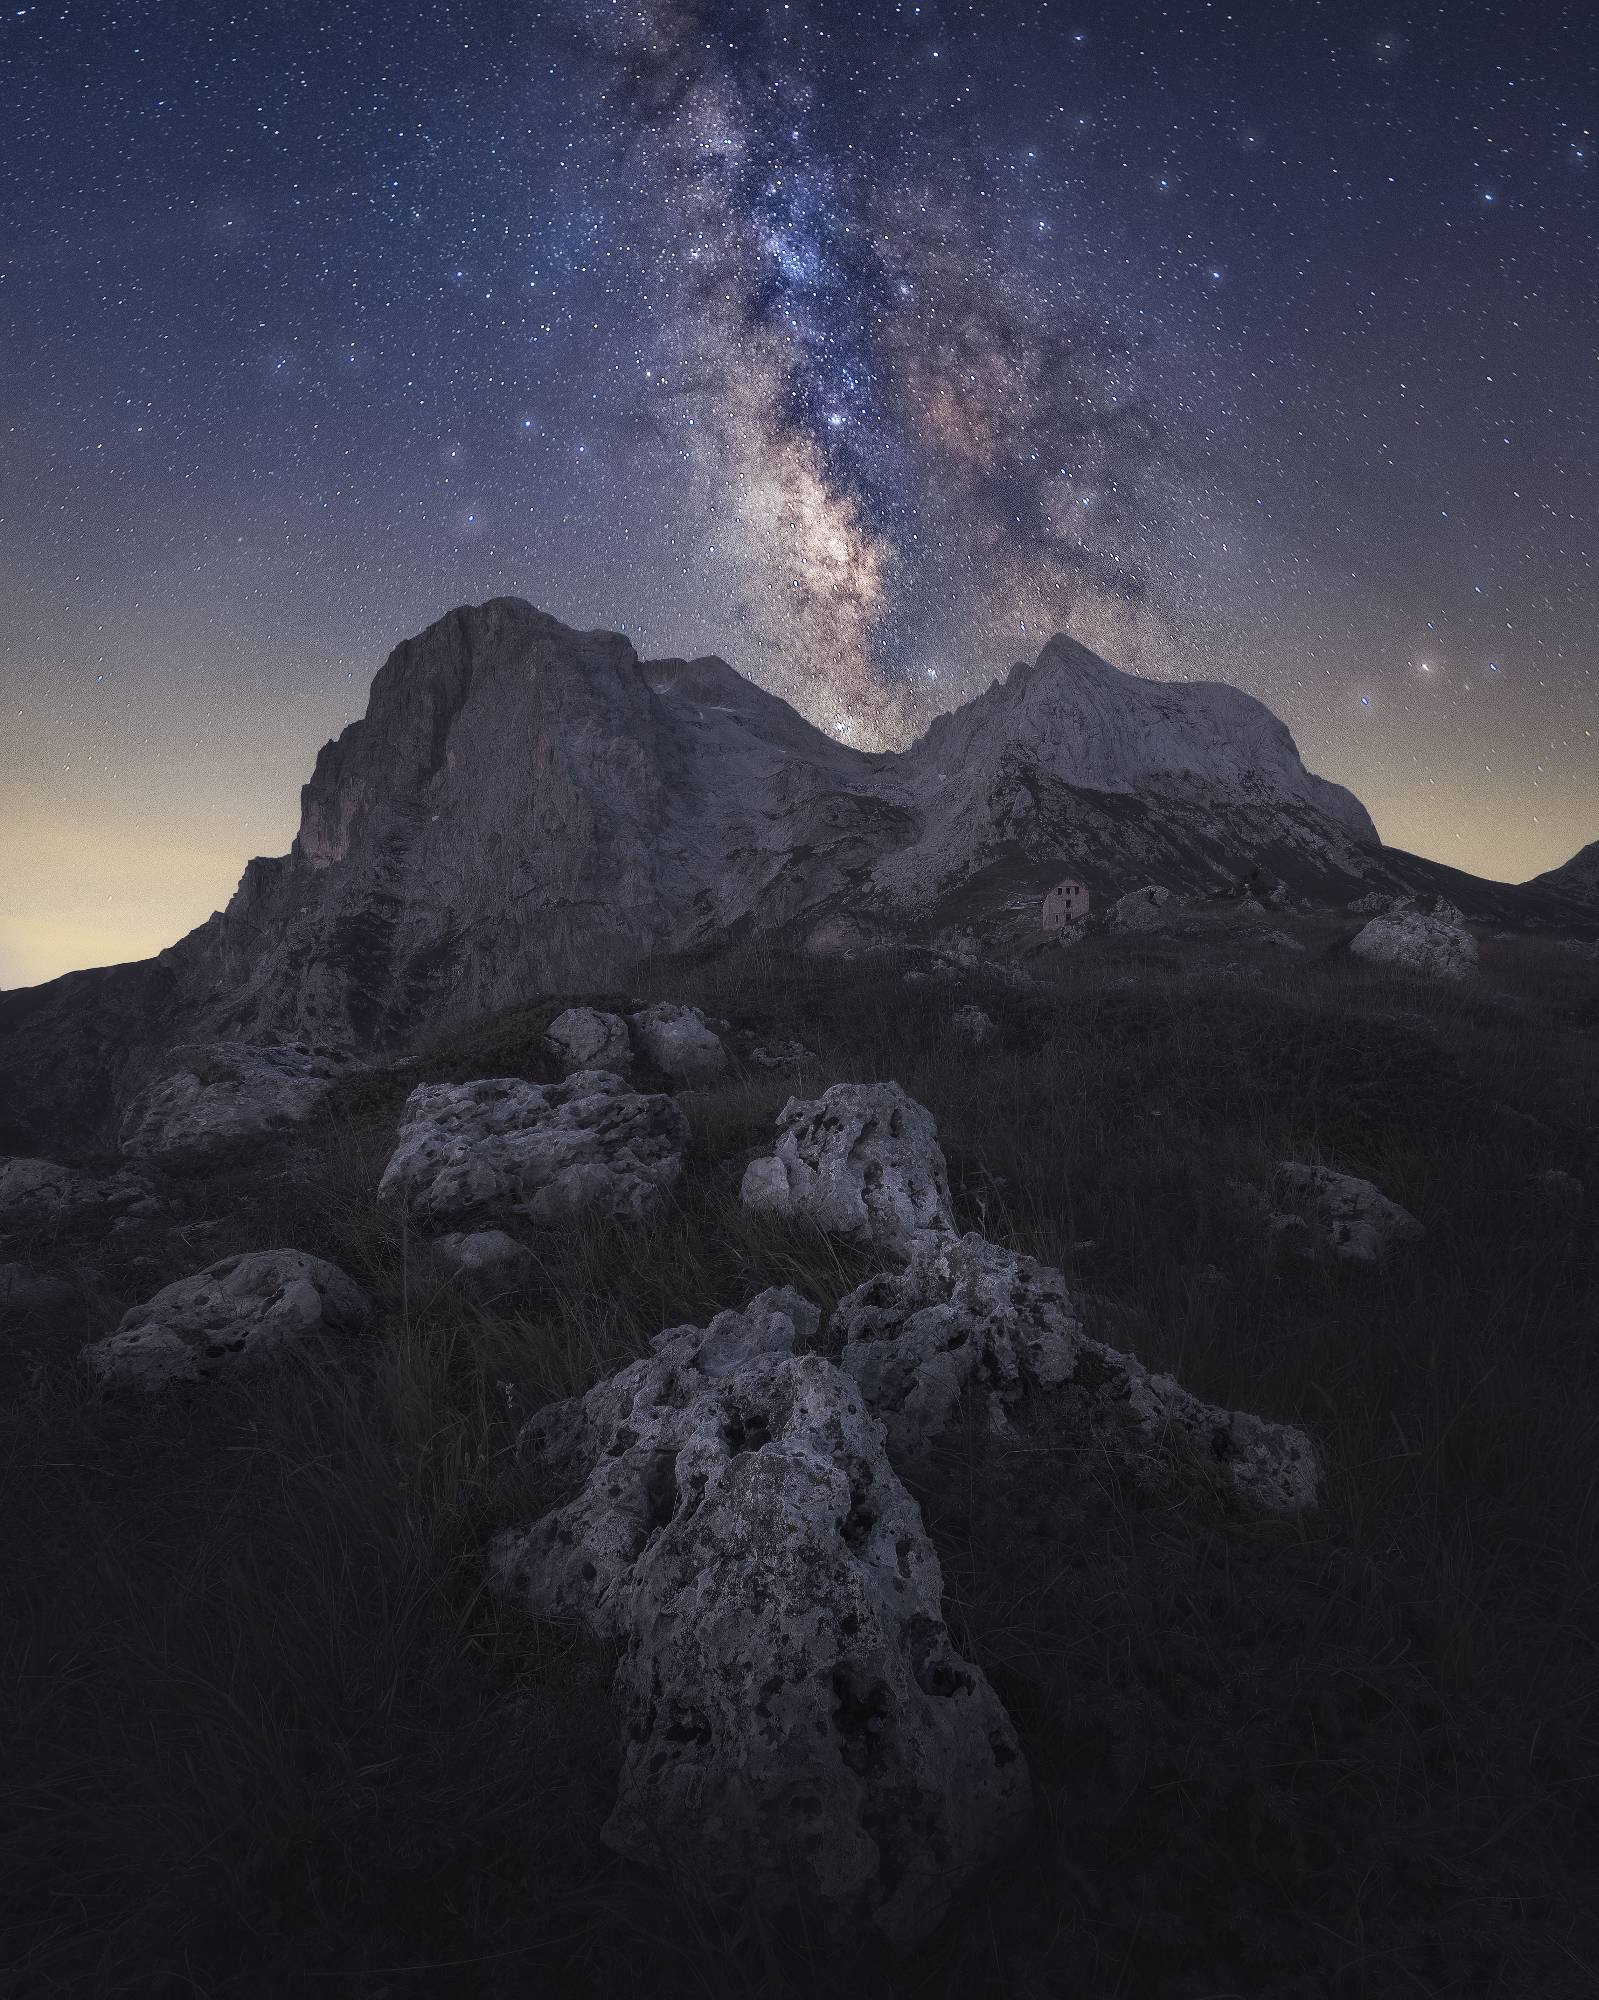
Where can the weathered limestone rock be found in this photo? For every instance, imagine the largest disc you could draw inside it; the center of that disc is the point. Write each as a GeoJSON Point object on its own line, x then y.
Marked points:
{"type": "Point", "coordinates": [1352, 1217]}
{"type": "Point", "coordinates": [41, 1195]}
{"type": "Point", "coordinates": [1436, 947]}
{"type": "Point", "coordinates": [969, 1316]}
{"type": "Point", "coordinates": [1148, 909]}
{"type": "Point", "coordinates": [586, 1038]}
{"type": "Point", "coordinates": [241, 1311]}
{"type": "Point", "coordinates": [487, 1261]}
{"type": "Point", "coordinates": [861, 1161]}
{"type": "Point", "coordinates": [799, 1729]}
{"type": "Point", "coordinates": [971, 1025]}
{"type": "Point", "coordinates": [224, 1097]}
{"type": "Point", "coordinates": [470, 1151]}
{"type": "Point", "coordinates": [778, 1055]}
{"type": "Point", "coordinates": [679, 1043]}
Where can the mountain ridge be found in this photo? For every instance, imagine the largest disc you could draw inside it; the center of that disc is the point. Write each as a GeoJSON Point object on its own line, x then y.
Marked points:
{"type": "Point", "coordinates": [524, 806]}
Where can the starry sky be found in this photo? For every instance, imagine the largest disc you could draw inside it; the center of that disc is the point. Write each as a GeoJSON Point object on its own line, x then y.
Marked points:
{"type": "Point", "coordinates": [863, 344]}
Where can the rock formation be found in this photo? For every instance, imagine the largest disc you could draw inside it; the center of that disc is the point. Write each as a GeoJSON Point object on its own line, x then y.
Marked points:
{"type": "Point", "coordinates": [968, 1317]}
{"type": "Point", "coordinates": [525, 807]}
{"type": "Point", "coordinates": [587, 1038]}
{"type": "Point", "coordinates": [861, 1161]}
{"type": "Point", "coordinates": [224, 1097]}
{"type": "Point", "coordinates": [241, 1311]}
{"type": "Point", "coordinates": [1434, 947]}
{"type": "Point", "coordinates": [472, 1154]}
{"type": "Point", "coordinates": [798, 1728]}
{"type": "Point", "coordinates": [1352, 1217]}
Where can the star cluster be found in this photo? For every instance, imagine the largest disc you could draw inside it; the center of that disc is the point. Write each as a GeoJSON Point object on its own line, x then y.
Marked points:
{"type": "Point", "coordinates": [863, 345]}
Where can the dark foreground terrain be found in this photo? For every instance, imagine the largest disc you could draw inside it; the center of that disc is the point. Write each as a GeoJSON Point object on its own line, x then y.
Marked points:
{"type": "Point", "coordinates": [267, 1733]}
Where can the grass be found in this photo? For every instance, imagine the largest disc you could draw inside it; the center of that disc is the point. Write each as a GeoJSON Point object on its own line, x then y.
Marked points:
{"type": "Point", "coordinates": [269, 1734]}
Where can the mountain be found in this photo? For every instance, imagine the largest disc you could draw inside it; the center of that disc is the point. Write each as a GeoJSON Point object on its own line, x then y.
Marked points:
{"type": "Point", "coordinates": [1577, 878]}
{"type": "Point", "coordinates": [526, 807]}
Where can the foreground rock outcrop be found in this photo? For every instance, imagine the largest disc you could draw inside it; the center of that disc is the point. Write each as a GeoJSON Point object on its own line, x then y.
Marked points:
{"type": "Point", "coordinates": [239, 1312]}
{"type": "Point", "coordinates": [471, 1153]}
{"type": "Point", "coordinates": [225, 1098]}
{"type": "Point", "coordinates": [1431, 946]}
{"type": "Point", "coordinates": [1350, 1216]}
{"type": "Point", "coordinates": [799, 1731]}
{"type": "Point", "coordinates": [861, 1161]}
{"type": "Point", "coordinates": [969, 1318]}
{"type": "Point", "coordinates": [42, 1195]}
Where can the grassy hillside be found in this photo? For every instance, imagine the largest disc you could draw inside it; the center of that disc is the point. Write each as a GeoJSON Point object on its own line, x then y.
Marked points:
{"type": "Point", "coordinates": [268, 1734]}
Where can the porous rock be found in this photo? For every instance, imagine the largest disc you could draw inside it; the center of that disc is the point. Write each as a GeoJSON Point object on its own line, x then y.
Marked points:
{"type": "Point", "coordinates": [799, 1730]}
{"type": "Point", "coordinates": [42, 1194]}
{"type": "Point", "coordinates": [861, 1161]}
{"type": "Point", "coordinates": [1436, 947]}
{"type": "Point", "coordinates": [968, 1316]}
{"type": "Point", "coordinates": [217, 1098]}
{"type": "Point", "coordinates": [1146, 909]}
{"type": "Point", "coordinates": [679, 1043]}
{"type": "Point", "coordinates": [488, 1262]}
{"type": "Point", "coordinates": [470, 1151]}
{"type": "Point", "coordinates": [971, 1025]}
{"type": "Point", "coordinates": [1353, 1217]}
{"type": "Point", "coordinates": [787, 1054]}
{"type": "Point", "coordinates": [587, 1038]}
{"type": "Point", "coordinates": [239, 1312]}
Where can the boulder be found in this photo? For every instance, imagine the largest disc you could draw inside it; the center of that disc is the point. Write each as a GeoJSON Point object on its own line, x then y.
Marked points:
{"type": "Point", "coordinates": [241, 1311]}
{"type": "Point", "coordinates": [488, 1262]}
{"type": "Point", "coordinates": [217, 1098]}
{"type": "Point", "coordinates": [1352, 1217]}
{"type": "Point", "coordinates": [778, 1055]}
{"type": "Point", "coordinates": [469, 1152]}
{"type": "Point", "coordinates": [970, 1317]}
{"type": "Point", "coordinates": [679, 1043]}
{"type": "Point", "coordinates": [861, 1161]}
{"type": "Point", "coordinates": [585, 1038]}
{"type": "Point", "coordinates": [1436, 947]}
{"type": "Point", "coordinates": [971, 1026]}
{"type": "Point", "coordinates": [800, 1733]}
{"type": "Point", "coordinates": [1148, 909]}
{"type": "Point", "coordinates": [42, 1195]}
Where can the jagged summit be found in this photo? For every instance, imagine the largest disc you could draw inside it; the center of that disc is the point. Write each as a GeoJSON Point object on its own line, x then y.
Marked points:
{"type": "Point", "coordinates": [526, 807]}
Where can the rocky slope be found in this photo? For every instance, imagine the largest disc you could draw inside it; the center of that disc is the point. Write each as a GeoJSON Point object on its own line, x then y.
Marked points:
{"type": "Point", "coordinates": [1577, 878]}
{"type": "Point", "coordinates": [525, 807]}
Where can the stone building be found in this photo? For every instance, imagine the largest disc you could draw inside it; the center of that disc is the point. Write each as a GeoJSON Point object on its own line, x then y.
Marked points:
{"type": "Point", "coordinates": [1066, 903]}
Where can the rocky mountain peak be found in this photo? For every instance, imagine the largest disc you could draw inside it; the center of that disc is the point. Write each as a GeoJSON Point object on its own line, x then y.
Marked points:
{"type": "Point", "coordinates": [526, 807]}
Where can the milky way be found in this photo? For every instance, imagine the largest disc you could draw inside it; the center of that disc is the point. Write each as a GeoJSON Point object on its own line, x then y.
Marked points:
{"type": "Point", "coordinates": [905, 446]}
{"type": "Point", "coordinates": [864, 345]}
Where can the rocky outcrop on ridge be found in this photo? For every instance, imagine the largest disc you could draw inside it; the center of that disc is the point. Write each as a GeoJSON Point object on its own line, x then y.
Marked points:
{"type": "Point", "coordinates": [241, 1311]}
{"type": "Point", "coordinates": [525, 807]}
{"type": "Point", "coordinates": [41, 1195]}
{"type": "Point", "coordinates": [1577, 878]}
{"type": "Point", "coordinates": [1433, 947]}
{"type": "Point", "coordinates": [223, 1097]}
{"type": "Point", "coordinates": [798, 1728]}
{"type": "Point", "coordinates": [589, 1038]}
{"type": "Point", "coordinates": [478, 1154]}
{"type": "Point", "coordinates": [968, 1317]}
{"type": "Point", "coordinates": [1351, 1216]}
{"type": "Point", "coordinates": [861, 1161]}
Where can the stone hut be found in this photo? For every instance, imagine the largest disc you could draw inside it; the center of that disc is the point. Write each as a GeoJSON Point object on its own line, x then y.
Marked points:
{"type": "Point", "coordinates": [1066, 903]}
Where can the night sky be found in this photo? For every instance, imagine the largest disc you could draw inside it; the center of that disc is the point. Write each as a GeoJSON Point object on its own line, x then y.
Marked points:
{"type": "Point", "coordinates": [863, 345]}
